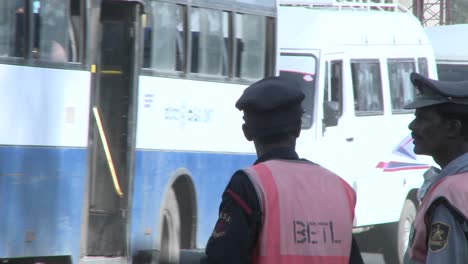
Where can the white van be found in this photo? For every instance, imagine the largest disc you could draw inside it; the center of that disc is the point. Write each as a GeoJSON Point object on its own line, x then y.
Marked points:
{"type": "Point", "coordinates": [354, 65]}
{"type": "Point", "coordinates": [450, 44]}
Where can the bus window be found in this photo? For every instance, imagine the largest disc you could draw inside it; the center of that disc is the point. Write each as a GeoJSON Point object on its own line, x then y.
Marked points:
{"type": "Point", "coordinates": [452, 72]}
{"type": "Point", "coordinates": [422, 67]}
{"type": "Point", "coordinates": [209, 49]}
{"type": "Point", "coordinates": [401, 89]}
{"type": "Point", "coordinates": [12, 30]}
{"type": "Point", "coordinates": [54, 38]}
{"type": "Point", "coordinates": [251, 46]}
{"type": "Point", "coordinates": [367, 87]}
{"type": "Point", "coordinates": [164, 37]}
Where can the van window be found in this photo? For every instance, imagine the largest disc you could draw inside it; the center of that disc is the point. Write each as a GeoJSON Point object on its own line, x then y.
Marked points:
{"type": "Point", "coordinates": [401, 89]}
{"type": "Point", "coordinates": [367, 87]}
{"type": "Point", "coordinates": [422, 67]}
{"type": "Point", "coordinates": [334, 91]}
{"type": "Point", "coordinates": [301, 68]}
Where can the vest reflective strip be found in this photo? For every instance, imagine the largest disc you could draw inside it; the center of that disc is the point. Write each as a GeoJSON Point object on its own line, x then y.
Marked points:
{"type": "Point", "coordinates": [271, 243]}
{"type": "Point", "coordinates": [272, 234]}
{"type": "Point", "coordinates": [454, 190]}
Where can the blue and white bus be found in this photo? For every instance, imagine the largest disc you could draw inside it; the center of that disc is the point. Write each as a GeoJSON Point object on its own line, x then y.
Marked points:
{"type": "Point", "coordinates": [119, 129]}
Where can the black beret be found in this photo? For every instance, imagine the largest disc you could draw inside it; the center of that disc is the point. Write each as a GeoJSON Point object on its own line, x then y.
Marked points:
{"type": "Point", "coordinates": [269, 94]}
{"type": "Point", "coordinates": [432, 92]}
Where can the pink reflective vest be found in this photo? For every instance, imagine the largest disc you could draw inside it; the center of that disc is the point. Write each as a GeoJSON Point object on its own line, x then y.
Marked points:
{"type": "Point", "coordinates": [454, 189]}
{"type": "Point", "coordinates": [308, 213]}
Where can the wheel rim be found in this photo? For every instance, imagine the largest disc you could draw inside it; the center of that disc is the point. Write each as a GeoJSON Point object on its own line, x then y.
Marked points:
{"type": "Point", "coordinates": [407, 231]}
{"type": "Point", "coordinates": [165, 245]}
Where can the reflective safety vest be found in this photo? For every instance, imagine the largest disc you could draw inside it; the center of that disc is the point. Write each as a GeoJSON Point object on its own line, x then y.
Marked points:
{"type": "Point", "coordinates": [307, 213]}
{"type": "Point", "coordinates": [454, 189]}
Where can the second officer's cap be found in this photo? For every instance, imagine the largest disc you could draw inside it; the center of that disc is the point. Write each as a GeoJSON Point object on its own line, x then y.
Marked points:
{"type": "Point", "coordinates": [431, 92]}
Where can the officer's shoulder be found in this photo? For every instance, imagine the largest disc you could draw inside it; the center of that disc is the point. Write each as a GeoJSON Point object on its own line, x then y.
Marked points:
{"type": "Point", "coordinates": [309, 162]}
{"type": "Point", "coordinates": [441, 209]}
{"type": "Point", "coordinates": [239, 180]}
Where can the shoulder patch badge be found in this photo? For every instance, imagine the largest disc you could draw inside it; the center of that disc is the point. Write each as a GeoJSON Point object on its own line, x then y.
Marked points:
{"type": "Point", "coordinates": [222, 225]}
{"type": "Point", "coordinates": [438, 239]}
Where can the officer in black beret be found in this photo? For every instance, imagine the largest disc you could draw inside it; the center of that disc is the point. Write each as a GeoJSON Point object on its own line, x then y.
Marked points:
{"type": "Point", "coordinates": [440, 129]}
{"type": "Point", "coordinates": [272, 114]}
{"type": "Point", "coordinates": [272, 108]}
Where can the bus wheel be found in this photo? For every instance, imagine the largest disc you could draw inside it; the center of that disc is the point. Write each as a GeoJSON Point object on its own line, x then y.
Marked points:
{"type": "Point", "coordinates": [170, 230]}
{"type": "Point", "coordinates": [397, 234]}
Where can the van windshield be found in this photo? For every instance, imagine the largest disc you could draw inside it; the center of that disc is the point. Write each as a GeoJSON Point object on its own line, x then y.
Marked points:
{"type": "Point", "coordinates": [302, 68]}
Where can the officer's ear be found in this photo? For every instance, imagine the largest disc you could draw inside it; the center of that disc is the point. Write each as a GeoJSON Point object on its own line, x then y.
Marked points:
{"type": "Point", "coordinates": [455, 128]}
{"type": "Point", "coordinates": [297, 132]}
{"type": "Point", "coordinates": [247, 132]}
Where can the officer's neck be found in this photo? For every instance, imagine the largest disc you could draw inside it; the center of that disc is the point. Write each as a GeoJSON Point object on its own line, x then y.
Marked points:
{"type": "Point", "coordinates": [451, 152]}
{"type": "Point", "coordinates": [262, 149]}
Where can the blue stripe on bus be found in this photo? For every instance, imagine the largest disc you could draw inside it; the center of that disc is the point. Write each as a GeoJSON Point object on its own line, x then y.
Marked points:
{"type": "Point", "coordinates": [153, 169]}
{"type": "Point", "coordinates": [42, 192]}
{"type": "Point", "coordinates": [41, 200]}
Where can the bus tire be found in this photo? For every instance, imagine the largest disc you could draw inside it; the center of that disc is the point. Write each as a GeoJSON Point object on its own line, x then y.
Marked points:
{"type": "Point", "coordinates": [170, 230]}
{"type": "Point", "coordinates": [397, 234]}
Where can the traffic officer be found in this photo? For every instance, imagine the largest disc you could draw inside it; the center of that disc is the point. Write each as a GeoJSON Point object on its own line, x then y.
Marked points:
{"type": "Point", "coordinates": [440, 130]}
{"type": "Point", "coordinates": [282, 209]}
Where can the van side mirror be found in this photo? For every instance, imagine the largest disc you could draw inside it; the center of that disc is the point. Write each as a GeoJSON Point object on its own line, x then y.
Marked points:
{"type": "Point", "coordinates": [331, 112]}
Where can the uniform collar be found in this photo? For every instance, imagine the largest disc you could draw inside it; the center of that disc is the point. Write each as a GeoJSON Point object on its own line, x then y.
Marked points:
{"type": "Point", "coordinates": [433, 175]}
{"type": "Point", "coordinates": [278, 153]}
{"type": "Point", "coordinates": [456, 166]}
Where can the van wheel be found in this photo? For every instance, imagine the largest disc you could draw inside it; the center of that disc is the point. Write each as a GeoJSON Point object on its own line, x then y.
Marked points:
{"type": "Point", "coordinates": [397, 234]}
{"type": "Point", "coordinates": [404, 227]}
{"type": "Point", "coordinates": [170, 230]}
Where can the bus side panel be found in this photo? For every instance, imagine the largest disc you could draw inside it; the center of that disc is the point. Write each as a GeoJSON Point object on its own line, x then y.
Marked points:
{"type": "Point", "coordinates": [182, 125]}
{"type": "Point", "coordinates": [42, 199]}
{"type": "Point", "coordinates": [210, 172]}
{"type": "Point", "coordinates": [43, 160]}
{"type": "Point", "coordinates": [184, 115]}
{"type": "Point", "coordinates": [44, 107]}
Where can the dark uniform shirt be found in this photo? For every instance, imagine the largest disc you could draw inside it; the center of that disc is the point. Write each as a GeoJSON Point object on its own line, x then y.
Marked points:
{"type": "Point", "coordinates": [235, 234]}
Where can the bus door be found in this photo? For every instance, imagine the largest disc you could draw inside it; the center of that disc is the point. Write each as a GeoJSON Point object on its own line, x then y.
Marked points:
{"type": "Point", "coordinates": [112, 129]}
